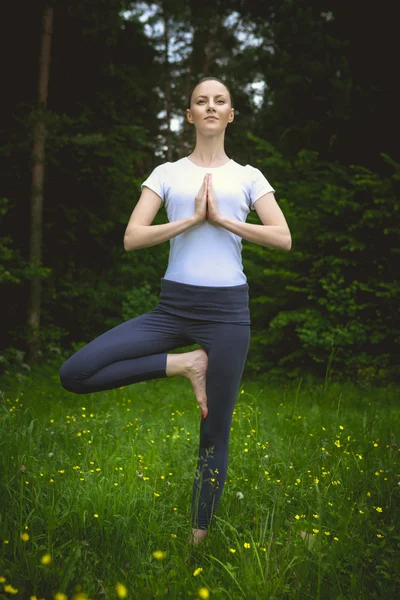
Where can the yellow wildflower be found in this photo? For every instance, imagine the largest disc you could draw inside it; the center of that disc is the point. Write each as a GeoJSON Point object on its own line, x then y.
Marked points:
{"type": "Point", "coordinates": [159, 554]}
{"type": "Point", "coordinates": [10, 589]}
{"type": "Point", "coordinates": [378, 509]}
{"type": "Point", "coordinates": [46, 559]}
{"type": "Point", "coordinates": [378, 535]}
{"type": "Point", "coordinates": [297, 517]}
{"type": "Point", "coordinates": [2, 579]}
{"type": "Point", "coordinates": [25, 537]}
{"type": "Point", "coordinates": [60, 596]}
{"type": "Point", "coordinates": [96, 516]}
{"type": "Point", "coordinates": [121, 590]}
{"type": "Point", "coordinates": [204, 593]}
{"type": "Point", "coordinates": [246, 545]}
{"type": "Point", "coordinates": [197, 571]}
{"type": "Point", "coordinates": [232, 550]}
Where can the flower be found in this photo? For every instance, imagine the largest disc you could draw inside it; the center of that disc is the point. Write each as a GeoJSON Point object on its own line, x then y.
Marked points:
{"type": "Point", "coordinates": [378, 535]}
{"type": "Point", "coordinates": [197, 571]}
{"type": "Point", "coordinates": [239, 496]}
{"type": "Point", "coordinates": [246, 545]}
{"type": "Point", "coordinates": [297, 517]}
{"type": "Point", "coordinates": [10, 589]}
{"type": "Point", "coordinates": [378, 509]}
{"type": "Point", "coordinates": [24, 537]}
{"type": "Point", "coordinates": [96, 516]}
{"type": "Point", "coordinates": [60, 596]}
{"type": "Point", "coordinates": [159, 554]}
{"type": "Point", "coordinates": [121, 590]}
{"type": "Point", "coordinates": [46, 559]}
{"type": "Point", "coordinates": [204, 593]}
{"type": "Point", "coordinates": [232, 550]}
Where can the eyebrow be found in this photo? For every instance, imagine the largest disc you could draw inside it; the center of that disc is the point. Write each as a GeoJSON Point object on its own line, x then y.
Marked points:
{"type": "Point", "coordinates": [216, 96]}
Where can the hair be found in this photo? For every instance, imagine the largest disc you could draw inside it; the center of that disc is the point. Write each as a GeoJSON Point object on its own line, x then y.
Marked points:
{"type": "Point", "coordinates": [209, 79]}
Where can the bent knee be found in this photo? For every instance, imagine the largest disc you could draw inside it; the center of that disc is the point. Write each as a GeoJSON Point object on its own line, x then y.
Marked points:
{"type": "Point", "coordinates": [70, 382]}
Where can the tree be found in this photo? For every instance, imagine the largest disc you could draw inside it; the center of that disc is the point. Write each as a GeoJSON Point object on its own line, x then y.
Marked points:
{"type": "Point", "coordinates": [38, 170]}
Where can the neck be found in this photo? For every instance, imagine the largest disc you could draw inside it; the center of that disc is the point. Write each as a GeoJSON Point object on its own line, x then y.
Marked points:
{"type": "Point", "coordinates": [209, 151]}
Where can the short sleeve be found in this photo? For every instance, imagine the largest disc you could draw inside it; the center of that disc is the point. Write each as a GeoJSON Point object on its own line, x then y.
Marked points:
{"type": "Point", "coordinates": [156, 182]}
{"type": "Point", "coordinates": [259, 186]}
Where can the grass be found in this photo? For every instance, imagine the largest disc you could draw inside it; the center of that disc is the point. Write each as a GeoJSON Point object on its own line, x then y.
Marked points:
{"type": "Point", "coordinates": [95, 493]}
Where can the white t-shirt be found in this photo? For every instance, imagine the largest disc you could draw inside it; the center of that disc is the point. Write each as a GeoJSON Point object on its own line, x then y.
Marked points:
{"type": "Point", "coordinates": [207, 254]}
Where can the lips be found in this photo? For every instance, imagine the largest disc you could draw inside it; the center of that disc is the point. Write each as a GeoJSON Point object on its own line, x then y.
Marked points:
{"type": "Point", "coordinates": [214, 118]}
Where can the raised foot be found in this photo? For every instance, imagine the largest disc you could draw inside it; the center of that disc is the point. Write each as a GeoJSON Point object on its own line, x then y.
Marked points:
{"type": "Point", "coordinates": [196, 372]}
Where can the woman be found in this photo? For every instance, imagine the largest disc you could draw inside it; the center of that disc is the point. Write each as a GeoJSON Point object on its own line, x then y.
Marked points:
{"type": "Point", "coordinates": [204, 294]}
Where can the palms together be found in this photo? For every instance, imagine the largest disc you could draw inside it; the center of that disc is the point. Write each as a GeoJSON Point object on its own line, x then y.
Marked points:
{"type": "Point", "coordinates": [206, 202]}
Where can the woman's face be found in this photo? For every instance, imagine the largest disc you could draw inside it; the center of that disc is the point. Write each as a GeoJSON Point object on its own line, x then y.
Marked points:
{"type": "Point", "coordinates": [210, 107]}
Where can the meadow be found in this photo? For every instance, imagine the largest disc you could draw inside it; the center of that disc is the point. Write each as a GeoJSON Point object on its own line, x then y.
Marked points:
{"type": "Point", "coordinates": [95, 493]}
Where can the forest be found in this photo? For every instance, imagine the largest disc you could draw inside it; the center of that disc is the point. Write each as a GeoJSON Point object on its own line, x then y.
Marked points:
{"type": "Point", "coordinates": [94, 97]}
{"type": "Point", "coordinates": [95, 489]}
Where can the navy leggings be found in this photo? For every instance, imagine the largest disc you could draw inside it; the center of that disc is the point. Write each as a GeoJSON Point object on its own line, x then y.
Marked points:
{"type": "Point", "coordinates": [137, 350]}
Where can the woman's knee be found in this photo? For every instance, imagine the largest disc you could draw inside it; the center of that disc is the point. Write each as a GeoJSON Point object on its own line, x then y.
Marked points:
{"type": "Point", "coordinates": [69, 381]}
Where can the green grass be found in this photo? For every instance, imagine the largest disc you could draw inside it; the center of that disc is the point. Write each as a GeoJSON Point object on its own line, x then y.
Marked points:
{"type": "Point", "coordinates": [316, 467]}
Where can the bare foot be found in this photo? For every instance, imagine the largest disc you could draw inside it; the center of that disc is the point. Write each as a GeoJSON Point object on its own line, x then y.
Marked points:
{"type": "Point", "coordinates": [197, 536]}
{"type": "Point", "coordinates": [196, 372]}
{"type": "Point", "coordinates": [192, 365]}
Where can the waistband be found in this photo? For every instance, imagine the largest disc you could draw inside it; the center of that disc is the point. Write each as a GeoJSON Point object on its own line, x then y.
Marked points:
{"type": "Point", "coordinates": [206, 303]}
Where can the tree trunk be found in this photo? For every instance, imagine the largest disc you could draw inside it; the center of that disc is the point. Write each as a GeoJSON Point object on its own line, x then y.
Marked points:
{"type": "Point", "coordinates": [167, 87]}
{"type": "Point", "coordinates": [38, 166]}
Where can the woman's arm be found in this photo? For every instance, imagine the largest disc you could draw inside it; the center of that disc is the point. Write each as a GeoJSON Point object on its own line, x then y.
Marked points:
{"type": "Point", "coordinates": [273, 232]}
{"type": "Point", "coordinates": [141, 234]}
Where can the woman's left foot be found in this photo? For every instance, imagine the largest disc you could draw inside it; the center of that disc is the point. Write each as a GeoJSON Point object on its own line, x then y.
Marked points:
{"type": "Point", "coordinates": [197, 536]}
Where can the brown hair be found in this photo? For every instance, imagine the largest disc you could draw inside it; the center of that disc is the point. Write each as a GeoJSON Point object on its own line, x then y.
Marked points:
{"type": "Point", "coordinates": [209, 79]}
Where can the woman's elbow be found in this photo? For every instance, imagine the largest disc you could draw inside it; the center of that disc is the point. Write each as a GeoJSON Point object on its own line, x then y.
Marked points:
{"type": "Point", "coordinates": [129, 242]}
{"type": "Point", "coordinates": [287, 245]}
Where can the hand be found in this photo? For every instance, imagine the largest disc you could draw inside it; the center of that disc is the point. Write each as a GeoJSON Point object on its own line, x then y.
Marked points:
{"type": "Point", "coordinates": [200, 205]}
{"type": "Point", "coordinates": [213, 214]}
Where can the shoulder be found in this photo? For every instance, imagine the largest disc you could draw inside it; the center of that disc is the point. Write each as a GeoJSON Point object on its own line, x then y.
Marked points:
{"type": "Point", "coordinates": [167, 168]}
{"type": "Point", "coordinates": [245, 169]}
{"type": "Point", "coordinates": [247, 172]}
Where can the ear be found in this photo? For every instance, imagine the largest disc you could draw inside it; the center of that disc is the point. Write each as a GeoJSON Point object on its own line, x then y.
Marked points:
{"type": "Point", "coordinates": [231, 116]}
{"type": "Point", "coordinates": [189, 115]}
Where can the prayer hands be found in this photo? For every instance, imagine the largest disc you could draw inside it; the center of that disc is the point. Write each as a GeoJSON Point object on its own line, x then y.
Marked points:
{"type": "Point", "coordinates": [213, 214]}
{"type": "Point", "coordinates": [206, 205]}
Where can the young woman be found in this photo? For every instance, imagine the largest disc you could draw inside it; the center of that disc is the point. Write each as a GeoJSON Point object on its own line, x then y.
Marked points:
{"type": "Point", "coordinates": [204, 294]}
